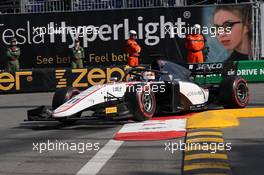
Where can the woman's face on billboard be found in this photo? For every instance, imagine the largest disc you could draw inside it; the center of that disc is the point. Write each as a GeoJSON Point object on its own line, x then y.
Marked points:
{"type": "Point", "coordinates": [237, 36]}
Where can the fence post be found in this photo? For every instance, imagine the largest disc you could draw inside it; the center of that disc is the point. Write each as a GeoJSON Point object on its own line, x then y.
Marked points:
{"type": "Point", "coordinates": [22, 6]}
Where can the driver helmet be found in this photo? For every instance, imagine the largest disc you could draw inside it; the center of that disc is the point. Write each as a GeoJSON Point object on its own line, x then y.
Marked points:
{"type": "Point", "coordinates": [197, 26]}
{"type": "Point", "coordinates": [13, 42]}
{"type": "Point", "coordinates": [132, 33]}
{"type": "Point", "coordinates": [196, 29]}
{"type": "Point", "coordinates": [149, 75]}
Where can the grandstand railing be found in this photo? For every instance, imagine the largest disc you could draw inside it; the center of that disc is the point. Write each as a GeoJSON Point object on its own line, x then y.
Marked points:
{"type": "Point", "coordinates": [110, 4]}
{"type": "Point", "coordinates": [35, 6]}
{"type": "Point", "coordinates": [9, 6]}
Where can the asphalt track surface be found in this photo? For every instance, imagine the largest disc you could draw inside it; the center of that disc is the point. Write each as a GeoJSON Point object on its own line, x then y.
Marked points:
{"type": "Point", "coordinates": [18, 156]}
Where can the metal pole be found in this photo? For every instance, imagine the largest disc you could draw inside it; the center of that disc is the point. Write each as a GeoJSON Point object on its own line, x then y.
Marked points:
{"type": "Point", "coordinates": [261, 25]}
{"type": "Point", "coordinates": [253, 32]}
{"type": "Point", "coordinates": [123, 3]}
{"type": "Point", "coordinates": [258, 31]}
{"type": "Point", "coordinates": [71, 5]}
{"type": "Point", "coordinates": [22, 6]}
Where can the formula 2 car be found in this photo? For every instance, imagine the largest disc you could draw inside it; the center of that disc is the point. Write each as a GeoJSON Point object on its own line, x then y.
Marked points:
{"type": "Point", "coordinates": [164, 88]}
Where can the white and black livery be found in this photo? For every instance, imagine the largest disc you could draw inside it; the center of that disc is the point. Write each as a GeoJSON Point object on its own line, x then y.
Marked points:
{"type": "Point", "coordinates": [164, 88]}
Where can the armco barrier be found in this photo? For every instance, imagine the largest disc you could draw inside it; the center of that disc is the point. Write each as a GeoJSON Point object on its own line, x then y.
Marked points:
{"type": "Point", "coordinates": [45, 80]}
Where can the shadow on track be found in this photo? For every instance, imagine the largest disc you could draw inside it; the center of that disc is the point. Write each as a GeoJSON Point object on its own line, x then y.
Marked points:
{"type": "Point", "coordinates": [247, 156]}
{"type": "Point", "coordinates": [78, 125]}
{"type": "Point", "coordinates": [18, 107]}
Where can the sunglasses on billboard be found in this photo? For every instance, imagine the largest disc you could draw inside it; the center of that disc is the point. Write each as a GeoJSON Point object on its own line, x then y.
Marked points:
{"type": "Point", "coordinates": [228, 25]}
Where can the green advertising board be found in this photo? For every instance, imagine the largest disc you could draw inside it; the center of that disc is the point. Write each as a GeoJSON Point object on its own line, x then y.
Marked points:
{"type": "Point", "coordinates": [252, 71]}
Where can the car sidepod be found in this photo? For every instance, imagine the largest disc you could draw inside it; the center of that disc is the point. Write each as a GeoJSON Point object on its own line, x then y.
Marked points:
{"type": "Point", "coordinates": [192, 95]}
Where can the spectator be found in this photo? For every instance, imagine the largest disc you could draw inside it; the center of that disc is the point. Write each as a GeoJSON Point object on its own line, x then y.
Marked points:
{"type": "Point", "coordinates": [13, 54]}
{"type": "Point", "coordinates": [77, 54]}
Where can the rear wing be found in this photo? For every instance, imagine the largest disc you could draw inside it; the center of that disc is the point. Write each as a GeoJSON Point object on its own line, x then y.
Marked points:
{"type": "Point", "coordinates": [205, 68]}
{"type": "Point", "coordinates": [224, 68]}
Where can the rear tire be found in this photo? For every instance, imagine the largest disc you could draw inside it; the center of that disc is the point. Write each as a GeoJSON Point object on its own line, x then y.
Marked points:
{"type": "Point", "coordinates": [234, 92]}
{"type": "Point", "coordinates": [61, 96]}
{"type": "Point", "coordinates": [142, 104]}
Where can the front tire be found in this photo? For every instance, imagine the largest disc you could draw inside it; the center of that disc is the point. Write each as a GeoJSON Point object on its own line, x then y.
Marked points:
{"type": "Point", "coordinates": [142, 104]}
{"type": "Point", "coordinates": [234, 92]}
{"type": "Point", "coordinates": [61, 96]}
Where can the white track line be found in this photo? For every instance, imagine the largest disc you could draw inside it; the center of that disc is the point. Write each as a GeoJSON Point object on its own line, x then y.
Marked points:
{"type": "Point", "coordinates": [100, 158]}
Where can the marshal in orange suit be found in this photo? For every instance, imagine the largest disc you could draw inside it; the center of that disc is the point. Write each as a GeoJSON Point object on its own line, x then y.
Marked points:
{"type": "Point", "coordinates": [195, 43]}
{"type": "Point", "coordinates": [132, 49]}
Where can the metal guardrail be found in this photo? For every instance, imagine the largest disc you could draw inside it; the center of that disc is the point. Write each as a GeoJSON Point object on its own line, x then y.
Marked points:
{"type": "Point", "coordinates": [35, 6]}
{"type": "Point", "coordinates": [108, 4]}
{"type": "Point", "coordinates": [9, 6]}
{"type": "Point", "coordinates": [44, 6]}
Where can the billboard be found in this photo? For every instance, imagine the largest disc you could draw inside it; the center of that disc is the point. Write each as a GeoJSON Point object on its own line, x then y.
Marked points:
{"type": "Point", "coordinates": [46, 80]}
{"type": "Point", "coordinates": [45, 38]}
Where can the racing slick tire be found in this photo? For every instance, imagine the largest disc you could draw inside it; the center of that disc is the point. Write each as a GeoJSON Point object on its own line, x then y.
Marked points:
{"type": "Point", "coordinates": [141, 104]}
{"type": "Point", "coordinates": [61, 96]}
{"type": "Point", "coordinates": [234, 92]}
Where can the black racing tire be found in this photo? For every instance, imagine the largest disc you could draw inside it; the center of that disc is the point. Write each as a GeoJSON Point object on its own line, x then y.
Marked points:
{"type": "Point", "coordinates": [61, 96]}
{"type": "Point", "coordinates": [234, 92]}
{"type": "Point", "coordinates": [141, 104]}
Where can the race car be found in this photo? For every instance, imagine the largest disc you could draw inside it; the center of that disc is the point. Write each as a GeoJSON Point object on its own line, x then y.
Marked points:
{"type": "Point", "coordinates": [161, 89]}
